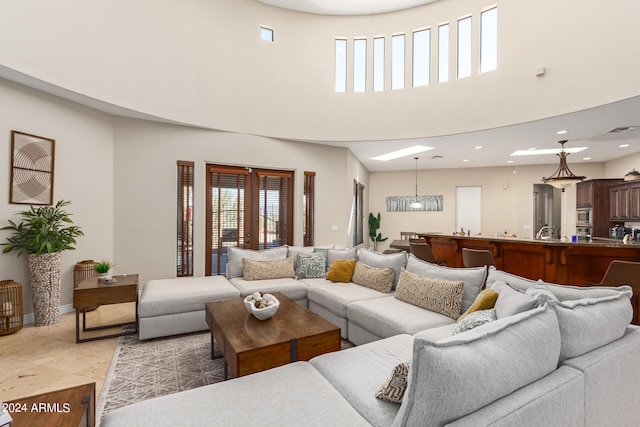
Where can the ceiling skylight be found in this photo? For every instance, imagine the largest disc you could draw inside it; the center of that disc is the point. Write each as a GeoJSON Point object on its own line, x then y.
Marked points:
{"type": "Point", "coordinates": [402, 153]}
{"type": "Point", "coordinates": [531, 152]}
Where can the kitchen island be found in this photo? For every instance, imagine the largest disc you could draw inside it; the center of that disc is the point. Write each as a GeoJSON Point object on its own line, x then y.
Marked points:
{"type": "Point", "coordinates": [553, 261]}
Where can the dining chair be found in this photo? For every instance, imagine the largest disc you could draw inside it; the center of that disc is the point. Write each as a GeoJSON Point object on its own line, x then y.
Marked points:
{"type": "Point", "coordinates": [477, 257]}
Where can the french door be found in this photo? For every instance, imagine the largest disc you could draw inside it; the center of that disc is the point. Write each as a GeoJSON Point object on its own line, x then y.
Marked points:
{"type": "Point", "coordinates": [246, 207]}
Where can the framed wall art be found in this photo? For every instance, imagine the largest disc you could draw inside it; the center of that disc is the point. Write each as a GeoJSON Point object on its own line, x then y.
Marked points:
{"type": "Point", "coordinates": [401, 203]}
{"type": "Point", "coordinates": [32, 162]}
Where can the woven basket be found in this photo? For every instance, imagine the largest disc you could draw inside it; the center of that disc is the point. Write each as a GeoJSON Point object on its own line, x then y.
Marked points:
{"type": "Point", "coordinates": [10, 307]}
{"type": "Point", "coordinates": [44, 271]}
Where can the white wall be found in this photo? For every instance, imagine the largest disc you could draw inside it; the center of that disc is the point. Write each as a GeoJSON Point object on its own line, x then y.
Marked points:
{"type": "Point", "coordinates": [202, 62]}
{"type": "Point", "coordinates": [509, 208]}
{"type": "Point", "coordinates": [83, 174]}
{"type": "Point", "coordinates": [145, 179]}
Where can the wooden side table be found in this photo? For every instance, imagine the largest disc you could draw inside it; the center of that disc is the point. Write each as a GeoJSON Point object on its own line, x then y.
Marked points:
{"type": "Point", "coordinates": [91, 292]}
{"type": "Point", "coordinates": [73, 406]}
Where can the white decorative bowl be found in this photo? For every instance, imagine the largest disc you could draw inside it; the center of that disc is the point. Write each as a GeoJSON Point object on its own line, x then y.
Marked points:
{"type": "Point", "coordinates": [261, 313]}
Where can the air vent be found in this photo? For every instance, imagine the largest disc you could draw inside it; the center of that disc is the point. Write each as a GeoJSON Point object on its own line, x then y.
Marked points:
{"type": "Point", "coordinates": [622, 129]}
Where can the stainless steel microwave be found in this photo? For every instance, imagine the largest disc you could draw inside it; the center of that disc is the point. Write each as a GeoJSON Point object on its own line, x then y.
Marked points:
{"type": "Point", "coordinates": [584, 216]}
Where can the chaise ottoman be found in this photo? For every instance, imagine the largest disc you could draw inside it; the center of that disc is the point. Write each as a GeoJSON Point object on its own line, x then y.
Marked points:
{"type": "Point", "coordinates": [176, 306]}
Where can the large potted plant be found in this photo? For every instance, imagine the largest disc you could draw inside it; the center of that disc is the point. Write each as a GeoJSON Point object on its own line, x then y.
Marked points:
{"type": "Point", "coordinates": [43, 234]}
{"type": "Point", "coordinates": [374, 225]}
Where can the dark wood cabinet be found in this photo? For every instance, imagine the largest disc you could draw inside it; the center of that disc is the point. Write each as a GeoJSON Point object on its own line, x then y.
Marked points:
{"type": "Point", "coordinates": [624, 202]}
{"type": "Point", "coordinates": [596, 194]}
{"type": "Point", "coordinates": [584, 194]}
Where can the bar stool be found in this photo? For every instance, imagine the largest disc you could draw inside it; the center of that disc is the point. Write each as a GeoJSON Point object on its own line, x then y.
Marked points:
{"type": "Point", "coordinates": [423, 251]}
{"type": "Point", "coordinates": [11, 313]}
{"type": "Point", "coordinates": [477, 257]}
{"type": "Point", "coordinates": [624, 273]}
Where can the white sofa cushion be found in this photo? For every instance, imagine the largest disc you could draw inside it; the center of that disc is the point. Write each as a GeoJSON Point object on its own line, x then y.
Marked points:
{"type": "Point", "coordinates": [511, 301]}
{"type": "Point", "coordinates": [358, 372]}
{"type": "Point", "coordinates": [183, 294]}
{"type": "Point", "coordinates": [291, 395]}
{"type": "Point", "coordinates": [473, 278]}
{"type": "Point", "coordinates": [589, 323]}
{"type": "Point", "coordinates": [335, 297]}
{"type": "Point", "coordinates": [292, 288]}
{"type": "Point", "coordinates": [385, 317]}
{"type": "Point", "coordinates": [458, 375]}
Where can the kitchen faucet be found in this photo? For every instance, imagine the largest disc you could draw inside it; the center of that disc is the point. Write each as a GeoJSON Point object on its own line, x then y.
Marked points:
{"type": "Point", "coordinates": [542, 230]}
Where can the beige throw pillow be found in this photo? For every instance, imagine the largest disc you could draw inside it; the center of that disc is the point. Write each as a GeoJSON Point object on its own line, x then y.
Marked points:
{"type": "Point", "coordinates": [441, 296]}
{"type": "Point", "coordinates": [264, 270]}
{"type": "Point", "coordinates": [380, 279]}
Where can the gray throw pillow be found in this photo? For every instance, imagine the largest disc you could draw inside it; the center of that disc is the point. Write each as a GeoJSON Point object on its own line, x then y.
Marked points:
{"type": "Point", "coordinates": [236, 255]}
{"type": "Point", "coordinates": [510, 301]}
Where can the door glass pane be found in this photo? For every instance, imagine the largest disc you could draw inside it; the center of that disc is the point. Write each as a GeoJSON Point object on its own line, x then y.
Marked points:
{"type": "Point", "coordinates": [227, 217]}
{"type": "Point", "coordinates": [273, 216]}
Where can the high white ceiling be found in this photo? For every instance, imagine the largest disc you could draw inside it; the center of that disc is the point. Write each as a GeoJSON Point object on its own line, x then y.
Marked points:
{"type": "Point", "coordinates": [346, 7]}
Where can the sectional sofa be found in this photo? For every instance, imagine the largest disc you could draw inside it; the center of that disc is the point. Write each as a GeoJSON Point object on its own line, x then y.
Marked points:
{"type": "Point", "coordinates": [533, 354]}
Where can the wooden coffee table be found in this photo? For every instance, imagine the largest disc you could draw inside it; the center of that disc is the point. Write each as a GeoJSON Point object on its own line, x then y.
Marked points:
{"type": "Point", "coordinates": [92, 292]}
{"type": "Point", "coordinates": [249, 345]}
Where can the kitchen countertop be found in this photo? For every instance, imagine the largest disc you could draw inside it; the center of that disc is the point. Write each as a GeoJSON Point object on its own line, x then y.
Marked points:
{"type": "Point", "coordinates": [598, 242]}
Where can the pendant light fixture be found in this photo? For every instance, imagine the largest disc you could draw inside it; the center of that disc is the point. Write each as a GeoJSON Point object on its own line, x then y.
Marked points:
{"type": "Point", "coordinates": [563, 177]}
{"type": "Point", "coordinates": [416, 205]}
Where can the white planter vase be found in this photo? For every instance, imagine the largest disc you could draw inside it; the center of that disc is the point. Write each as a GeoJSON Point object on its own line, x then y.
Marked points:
{"type": "Point", "coordinates": [44, 271]}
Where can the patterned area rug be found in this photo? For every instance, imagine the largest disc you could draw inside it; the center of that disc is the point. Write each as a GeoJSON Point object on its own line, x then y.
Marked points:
{"type": "Point", "coordinates": [141, 370]}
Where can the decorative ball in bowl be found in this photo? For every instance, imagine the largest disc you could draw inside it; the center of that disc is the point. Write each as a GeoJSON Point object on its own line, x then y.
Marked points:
{"type": "Point", "coordinates": [261, 305]}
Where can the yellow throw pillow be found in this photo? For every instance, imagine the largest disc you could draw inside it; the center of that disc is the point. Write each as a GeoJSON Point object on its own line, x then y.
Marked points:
{"type": "Point", "coordinates": [484, 301]}
{"type": "Point", "coordinates": [341, 270]}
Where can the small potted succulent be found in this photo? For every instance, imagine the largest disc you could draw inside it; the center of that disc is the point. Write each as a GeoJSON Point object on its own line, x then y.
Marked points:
{"type": "Point", "coordinates": [102, 268]}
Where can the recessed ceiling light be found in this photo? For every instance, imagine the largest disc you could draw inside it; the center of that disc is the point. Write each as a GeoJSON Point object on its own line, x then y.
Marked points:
{"type": "Point", "coordinates": [586, 158]}
{"type": "Point", "coordinates": [465, 160]}
{"type": "Point", "coordinates": [402, 153]}
{"type": "Point", "coordinates": [478, 147]}
{"type": "Point", "coordinates": [623, 145]}
{"type": "Point", "coordinates": [509, 161]}
{"type": "Point", "coordinates": [531, 149]}
{"type": "Point", "coordinates": [547, 151]}
{"type": "Point", "coordinates": [562, 132]}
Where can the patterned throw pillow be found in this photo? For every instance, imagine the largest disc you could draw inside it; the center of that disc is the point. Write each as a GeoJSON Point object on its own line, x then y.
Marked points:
{"type": "Point", "coordinates": [475, 319]}
{"type": "Point", "coordinates": [441, 296]}
{"type": "Point", "coordinates": [264, 270]}
{"type": "Point", "coordinates": [341, 270]}
{"type": "Point", "coordinates": [380, 279]}
{"type": "Point", "coordinates": [393, 389]}
{"type": "Point", "coordinates": [312, 266]}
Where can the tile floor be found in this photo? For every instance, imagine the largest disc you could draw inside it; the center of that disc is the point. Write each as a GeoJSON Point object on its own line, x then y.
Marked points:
{"type": "Point", "coordinates": [45, 358]}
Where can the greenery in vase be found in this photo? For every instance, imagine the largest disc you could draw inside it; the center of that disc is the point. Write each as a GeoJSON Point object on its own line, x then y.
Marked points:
{"type": "Point", "coordinates": [374, 225]}
{"type": "Point", "coordinates": [43, 230]}
{"type": "Point", "coordinates": [102, 266]}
